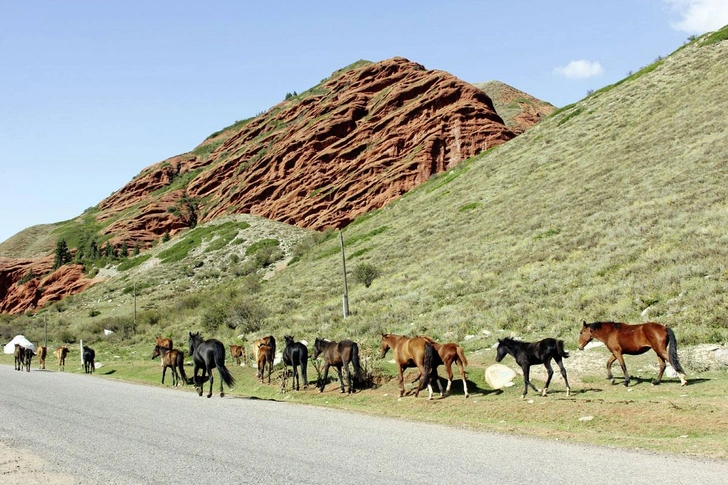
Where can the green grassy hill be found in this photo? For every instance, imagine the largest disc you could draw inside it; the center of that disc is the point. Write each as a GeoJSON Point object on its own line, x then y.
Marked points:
{"type": "Point", "coordinates": [614, 208]}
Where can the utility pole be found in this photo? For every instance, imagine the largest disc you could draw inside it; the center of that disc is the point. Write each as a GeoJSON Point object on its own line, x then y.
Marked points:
{"type": "Point", "coordinates": [343, 262]}
{"type": "Point", "coordinates": [45, 327]}
{"type": "Point", "coordinates": [135, 306]}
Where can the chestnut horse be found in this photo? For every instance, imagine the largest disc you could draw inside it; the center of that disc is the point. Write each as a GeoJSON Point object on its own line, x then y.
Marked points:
{"type": "Point", "coordinates": [164, 342]}
{"type": "Point", "coordinates": [623, 338]}
{"type": "Point", "coordinates": [410, 352]}
{"type": "Point", "coordinates": [175, 360]}
{"type": "Point", "coordinates": [237, 352]}
{"type": "Point", "coordinates": [61, 353]}
{"type": "Point", "coordinates": [265, 356]}
{"type": "Point", "coordinates": [42, 353]}
{"type": "Point", "coordinates": [338, 354]}
{"type": "Point", "coordinates": [270, 341]}
{"type": "Point", "coordinates": [446, 355]}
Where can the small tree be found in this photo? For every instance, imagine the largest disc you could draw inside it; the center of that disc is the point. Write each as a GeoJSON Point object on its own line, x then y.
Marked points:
{"type": "Point", "coordinates": [63, 255]}
{"type": "Point", "coordinates": [365, 273]}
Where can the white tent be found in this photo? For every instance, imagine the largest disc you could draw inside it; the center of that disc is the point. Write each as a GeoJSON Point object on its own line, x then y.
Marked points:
{"type": "Point", "coordinates": [19, 339]}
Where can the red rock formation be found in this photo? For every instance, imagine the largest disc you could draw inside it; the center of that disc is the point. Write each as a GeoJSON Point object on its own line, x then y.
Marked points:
{"type": "Point", "coordinates": [45, 287]}
{"type": "Point", "coordinates": [352, 144]}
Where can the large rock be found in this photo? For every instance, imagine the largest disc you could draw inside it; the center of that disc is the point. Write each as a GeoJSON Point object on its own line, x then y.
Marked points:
{"type": "Point", "coordinates": [498, 376]}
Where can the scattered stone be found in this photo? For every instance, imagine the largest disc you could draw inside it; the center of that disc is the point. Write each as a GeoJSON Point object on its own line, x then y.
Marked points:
{"type": "Point", "coordinates": [721, 356]}
{"type": "Point", "coordinates": [499, 376]}
{"type": "Point", "coordinates": [584, 419]}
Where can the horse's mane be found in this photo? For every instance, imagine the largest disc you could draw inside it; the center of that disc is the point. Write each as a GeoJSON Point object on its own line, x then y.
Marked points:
{"type": "Point", "coordinates": [598, 325]}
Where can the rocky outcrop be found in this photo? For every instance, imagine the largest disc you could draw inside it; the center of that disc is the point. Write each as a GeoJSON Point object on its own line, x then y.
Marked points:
{"type": "Point", "coordinates": [520, 111]}
{"type": "Point", "coordinates": [355, 142]}
{"type": "Point", "coordinates": [19, 292]}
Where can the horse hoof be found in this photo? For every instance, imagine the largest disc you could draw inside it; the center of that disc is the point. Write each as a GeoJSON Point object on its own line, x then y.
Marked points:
{"type": "Point", "coordinates": [222, 394]}
{"type": "Point", "coordinates": [467, 396]}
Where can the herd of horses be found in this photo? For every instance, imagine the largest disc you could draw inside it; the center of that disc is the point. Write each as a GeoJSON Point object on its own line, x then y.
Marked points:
{"type": "Point", "coordinates": [420, 352]}
{"type": "Point", "coordinates": [24, 356]}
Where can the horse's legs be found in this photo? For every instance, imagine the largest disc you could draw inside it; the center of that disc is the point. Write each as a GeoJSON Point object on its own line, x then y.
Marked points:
{"type": "Point", "coordinates": [661, 361]}
{"type": "Point", "coordinates": [462, 375]}
{"type": "Point", "coordinates": [164, 371]}
{"type": "Point", "coordinates": [526, 371]}
{"type": "Point", "coordinates": [198, 384]}
{"type": "Point", "coordinates": [326, 376]}
{"type": "Point", "coordinates": [620, 358]}
{"type": "Point", "coordinates": [560, 362]}
{"type": "Point", "coordinates": [550, 374]}
{"type": "Point", "coordinates": [341, 379]}
{"type": "Point", "coordinates": [212, 379]}
{"type": "Point", "coordinates": [448, 368]}
{"type": "Point", "coordinates": [401, 380]}
{"type": "Point", "coordinates": [295, 381]}
{"type": "Point", "coordinates": [609, 368]}
{"type": "Point", "coordinates": [349, 378]}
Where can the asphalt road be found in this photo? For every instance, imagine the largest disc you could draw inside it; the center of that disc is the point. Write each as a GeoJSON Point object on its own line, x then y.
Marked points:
{"type": "Point", "coordinates": [97, 430]}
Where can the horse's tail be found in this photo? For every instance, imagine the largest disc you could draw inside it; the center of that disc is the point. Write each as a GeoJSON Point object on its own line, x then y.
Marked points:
{"type": "Point", "coordinates": [461, 356]}
{"type": "Point", "coordinates": [225, 375]}
{"type": "Point", "coordinates": [672, 351]}
{"type": "Point", "coordinates": [181, 367]}
{"type": "Point", "coordinates": [560, 348]}
{"type": "Point", "coordinates": [272, 343]}
{"type": "Point", "coordinates": [355, 362]}
{"type": "Point", "coordinates": [427, 364]}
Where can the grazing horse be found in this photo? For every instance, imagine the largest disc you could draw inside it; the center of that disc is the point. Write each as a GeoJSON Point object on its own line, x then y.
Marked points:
{"type": "Point", "coordinates": [338, 354]}
{"type": "Point", "coordinates": [61, 353]}
{"type": "Point", "coordinates": [237, 352]}
{"type": "Point", "coordinates": [175, 360]}
{"type": "Point", "coordinates": [623, 338]}
{"type": "Point", "coordinates": [265, 356]}
{"type": "Point", "coordinates": [296, 354]}
{"type": "Point", "coordinates": [532, 353]}
{"type": "Point", "coordinates": [28, 357]}
{"type": "Point", "coordinates": [447, 354]}
{"type": "Point", "coordinates": [19, 356]}
{"type": "Point", "coordinates": [89, 355]}
{"type": "Point", "coordinates": [410, 352]}
{"type": "Point", "coordinates": [208, 355]}
{"type": "Point", "coordinates": [42, 353]}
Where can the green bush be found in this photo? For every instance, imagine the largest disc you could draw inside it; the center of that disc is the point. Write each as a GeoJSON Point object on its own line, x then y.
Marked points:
{"type": "Point", "coordinates": [365, 273]}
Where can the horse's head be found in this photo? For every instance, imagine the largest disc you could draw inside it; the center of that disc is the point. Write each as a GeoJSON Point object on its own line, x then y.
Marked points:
{"type": "Point", "coordinates": [501, 351]}
{"type": "Point", "coordinates": [156, 352]}
{"type": "Point", "coordinates": [316, 348]}
{"type": "Point", "coordinates": [289, 340]}
{"type": "Point", "coordinates": [385, 345]}
{"type": "Point", "coordinates": [585, 335]}
{"type": "Point", "coordinates": [194, 341]}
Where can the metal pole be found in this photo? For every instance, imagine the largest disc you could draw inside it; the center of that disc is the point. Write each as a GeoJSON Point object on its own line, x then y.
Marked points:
{"type": "Point", "coordinates": [135, 306]}
{"type": "Point", "coordinates": [346, 288]}
{"type": "Point", "coordinates": [45, 326]}
{"type": "Point", "coordinates": [80, 351]}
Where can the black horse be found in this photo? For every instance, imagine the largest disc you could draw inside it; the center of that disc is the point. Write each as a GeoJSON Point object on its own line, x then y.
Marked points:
{"type": "Point", "coordinates": [88, 360]}
{"type": "Point", "coordinates": [28, 357]}
{"type": "Point", "coordinates": [296, 354]}
{"type": "Point", "coordinates": [531, 353]}
{"type": "Point", "coordinates": [207, 355]}
{"type": "Point", "coordinates": [338, 354]}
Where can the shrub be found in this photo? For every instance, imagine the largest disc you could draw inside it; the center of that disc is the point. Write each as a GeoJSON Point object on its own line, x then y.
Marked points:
{"type": "Point", "coordinates": [365, 273]}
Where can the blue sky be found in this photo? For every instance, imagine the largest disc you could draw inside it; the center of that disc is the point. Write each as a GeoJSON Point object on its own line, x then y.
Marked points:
{"type": "Point", "coordinates": [91, 92]}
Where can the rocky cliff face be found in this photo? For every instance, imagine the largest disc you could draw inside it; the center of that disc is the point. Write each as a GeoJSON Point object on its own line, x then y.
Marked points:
{"type": "Point", "coordinates": [355, 142]}
{"type": "Point", "coordinates": [519, 110]}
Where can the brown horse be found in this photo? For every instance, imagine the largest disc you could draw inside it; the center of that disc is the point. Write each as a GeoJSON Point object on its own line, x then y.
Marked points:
{"type": "Point", "coordinates": [61, 353]}
{"type": "Point", "coordinates": [410, 352]}
{"type": "Point", "coordinates": [42, 353]}
{"type": "Point", "coordinates": [165, 342]}
{"type": "Point", "coordinates": [623, 338]}
{"type": "Point", "coordinates": [265, 356]}
{"type": "Point", "coordinates": [270, 341]}
{"type": "Point", "coordinates": [175, 360]}
{"type": "Point", "coordinates": [447, 354]}
{"type": "Point", "coordinates": [338, 354]}
{"type": "Point", "coordinates": [237, 352]}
